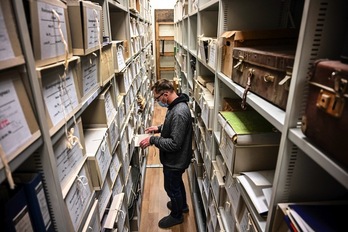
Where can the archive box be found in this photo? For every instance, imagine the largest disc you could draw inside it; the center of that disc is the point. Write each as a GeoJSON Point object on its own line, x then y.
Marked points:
{"type": "Point", "coordinates": [18, 125]}
{"type": "Point", "coordinates": [93, 219]}
{"type": "Point", "coordinates": [101, 112]}
{"type": "Point", "coordinates": [107, 71]}
{"type": "Point", "coordinates": [85, 18]}
{"type": "Point", "coordinates": [248, 141]}
{"type": "Point", "coordinates": [10, 52]}
{"type": "Point", "coordinates": [104, 196]}
{"type": "Point", "coordinates": [117, 217]}
{"type": "Point", "coordinates": [118, 54]}
{"type": "Point", "coordinates": [98, 155]}
{"type": "Point", "coordinates": [79, 198]}
{"type": "Point", "coordinates": [231, 39]}
{"type": "Point", "coordinates": [60, 92]}
{"type": "Point", "coordinates": [70, 160]}
{"type": "Point", "coordinates": [246, 222]}
{"type": "Point", "coordinates": [89, 82]}
{"type": "Point", "coordinates": [217, 185]}
{"type": "Point", "coordinates": [50, 31]}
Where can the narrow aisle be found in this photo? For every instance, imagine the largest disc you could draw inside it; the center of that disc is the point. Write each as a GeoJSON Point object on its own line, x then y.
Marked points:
{"type": "Point", "coordinates": [154, 201]}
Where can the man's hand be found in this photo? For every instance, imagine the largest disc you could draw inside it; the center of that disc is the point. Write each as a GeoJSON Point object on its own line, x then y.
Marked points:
{"type": "Point", "coordinates": [145, 143]}
{"type": "Point", "coordinates": [151, 129]}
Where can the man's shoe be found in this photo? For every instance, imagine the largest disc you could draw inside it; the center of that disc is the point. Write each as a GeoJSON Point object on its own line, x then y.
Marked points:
{"type": "Point", "coordinates": [170, 221]}
{"type": "Point", "coordinates": [184, 210]}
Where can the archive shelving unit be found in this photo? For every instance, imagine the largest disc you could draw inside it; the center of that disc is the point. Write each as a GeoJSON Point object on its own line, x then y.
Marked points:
{"type": "Point", "coordinates": [303, 172]}
{"type": "Point", "coordinates": [131, 38]}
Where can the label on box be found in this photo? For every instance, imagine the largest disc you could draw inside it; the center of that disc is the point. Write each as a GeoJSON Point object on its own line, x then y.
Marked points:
{"type": "Point", "coordinates": [120, 59]}
{"type": "Point", "coordinates": [109, 107]}
{"type": "Point", "coordinates": [60, 96]}
{"type": "Point", "coordinates": [6, 51]}
{"type": "Point", "coordinates": [51, 41]}
{"type": "Point", "coordinates": [68, 160]}
{"type": "Point", "coordinates": [103, 199]}
{"type": "Point", "coordinates": [22, 221]}
{"type": "Point", "coordinates": [89, 74]}
{"type": "Point", "coordinates": [43, 204]}
{"type": "Point", "coordinates": [93, 30]}
{"type": "Point", "coordinates": [103, 158]}
{"type": "Point", "coordinates": [212, 53]}
{"type": "Point", "coordinates": [78, 198]}
{"type": "Point", "coordinates": [14, 130]}
{"type": "Point", "coordinates": [114, 168]}
{"type": "Point", "coordinates": [118, 186]}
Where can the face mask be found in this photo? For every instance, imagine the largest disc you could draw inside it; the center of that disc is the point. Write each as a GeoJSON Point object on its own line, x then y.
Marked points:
{"type": "Point", "coordinates": [163, 104]}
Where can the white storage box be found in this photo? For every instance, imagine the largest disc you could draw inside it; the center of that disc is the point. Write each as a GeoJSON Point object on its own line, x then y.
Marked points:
{"type": "Point", "coordinates": [98, 155]}
{"type": "Point", "coordinates": [248, 142]}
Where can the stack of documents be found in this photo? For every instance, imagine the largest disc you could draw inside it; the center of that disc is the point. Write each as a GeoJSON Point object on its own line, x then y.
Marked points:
{"type": "Point", "coordinates": [315, 217]}
{"type": "Point", "coordinates": [258, 186]}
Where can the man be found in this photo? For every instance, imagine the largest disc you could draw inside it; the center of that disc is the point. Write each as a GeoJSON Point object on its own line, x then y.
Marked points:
{"type": "Point", "coordinates": [175, 146]}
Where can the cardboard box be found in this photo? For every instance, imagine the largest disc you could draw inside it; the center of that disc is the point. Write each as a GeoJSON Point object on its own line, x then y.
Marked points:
{"type": "Point", "coordinates": [217, 185]}
{"type": "Point", "coordinates": [85, 18]}
{"type": "Point", "coordinates": [231, 39]}
{"type": "Point", "coordinates": [98, 155]}
{"type": "Point", "coordinates": [60, 92]}
{"type": "Point", "coordinates": [247, 146]}
{"type": "Point", "coordinates": [118, 54]}
{"type": "Point", "coordinates": [69, 161]}
{"type": "Point", "coordinates": [208, 111]}
{"type": "Point", "coordinates": [93, 219]}
{"type": "Point", "coordinates": [18, 125]}
{"type": "Point", "coordinates": [101, 112]}
{"type": "Point", "coordinates": [10, 52]}
{"type": "Point", "coordinates": [107, 71]}
{"type": "Point", "coordinates": [79, 198]}
{"type": "Point", "coordinates": [204, 80]}
{"type": "Point", "coordinates": [115, 219]}
{"type": "Point", "coordinates": [48, 42]}
{"type": "Point", "coordinates": [203, 45]}
{"type": "Point", "coordinates": [104, 197]}
{"type": "Point", "coordinates": [89, 81]}
{"type": "Point", "coordinates": [233, 193]}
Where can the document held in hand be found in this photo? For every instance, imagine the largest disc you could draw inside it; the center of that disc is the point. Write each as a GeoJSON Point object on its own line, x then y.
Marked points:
{"type": "Point", "coordinates": [139, 137]}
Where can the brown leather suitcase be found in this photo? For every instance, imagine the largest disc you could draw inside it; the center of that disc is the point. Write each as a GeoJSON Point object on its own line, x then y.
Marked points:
{"type": "Point", "coordinates": [325, 121]}
{"type": "Point", "coordinates": [265, 71]}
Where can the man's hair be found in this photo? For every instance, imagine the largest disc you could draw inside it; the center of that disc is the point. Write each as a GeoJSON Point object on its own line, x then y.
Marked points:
{"type": "Point", "coordinates": [163, 85]}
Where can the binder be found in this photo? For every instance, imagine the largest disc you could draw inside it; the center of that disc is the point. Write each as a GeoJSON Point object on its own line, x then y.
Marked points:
{"type": "Point", "coordinates": [37, 203]}
{"type": "Point", "coordinates": [16, 211]}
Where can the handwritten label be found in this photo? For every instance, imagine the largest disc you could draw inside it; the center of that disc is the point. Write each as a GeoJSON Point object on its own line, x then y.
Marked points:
{"type": "Point", "coordinates": [51, 41]}
{"type": "Point", "coordinates": [22, 221]}
{"type": "Point", "coordinates": [89, 75]}
{"type": "Point", "coordinates": [6, 51]}
{"type": "Point", "coordinates": [118, 188]}
{"type": "Point", "coordinates": [120, 59]}
{"type": "Point", "coordinates": [114, 168]}
{"type": "Point", "coordinates": [212, 53]}
{"type": "Point", "coordinates": [93, 33]}
{"type": "Point", "coordinates": [109, 107]}
{"type": "Point", "coordinates": [60, 96]}
{"type": "Point", "coordinates": [14, 130]}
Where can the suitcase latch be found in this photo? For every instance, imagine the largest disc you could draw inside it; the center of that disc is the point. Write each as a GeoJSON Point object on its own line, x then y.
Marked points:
{"type": "Point", "coordinates": [331, 103]}
{"type": "Point", "coordinates": [239, 65]}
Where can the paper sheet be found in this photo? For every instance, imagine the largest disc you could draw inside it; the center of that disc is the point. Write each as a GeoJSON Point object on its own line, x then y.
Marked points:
{"type": "Point", "coordinates": [138, 138]}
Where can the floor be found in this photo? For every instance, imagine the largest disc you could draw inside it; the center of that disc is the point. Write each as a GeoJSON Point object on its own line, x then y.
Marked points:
{"type": "Point", "coordinates": [155, 198]}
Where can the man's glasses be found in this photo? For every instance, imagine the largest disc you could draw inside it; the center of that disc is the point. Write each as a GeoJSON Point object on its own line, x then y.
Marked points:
{"type": "Point", "coordinates": [157, 98]}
